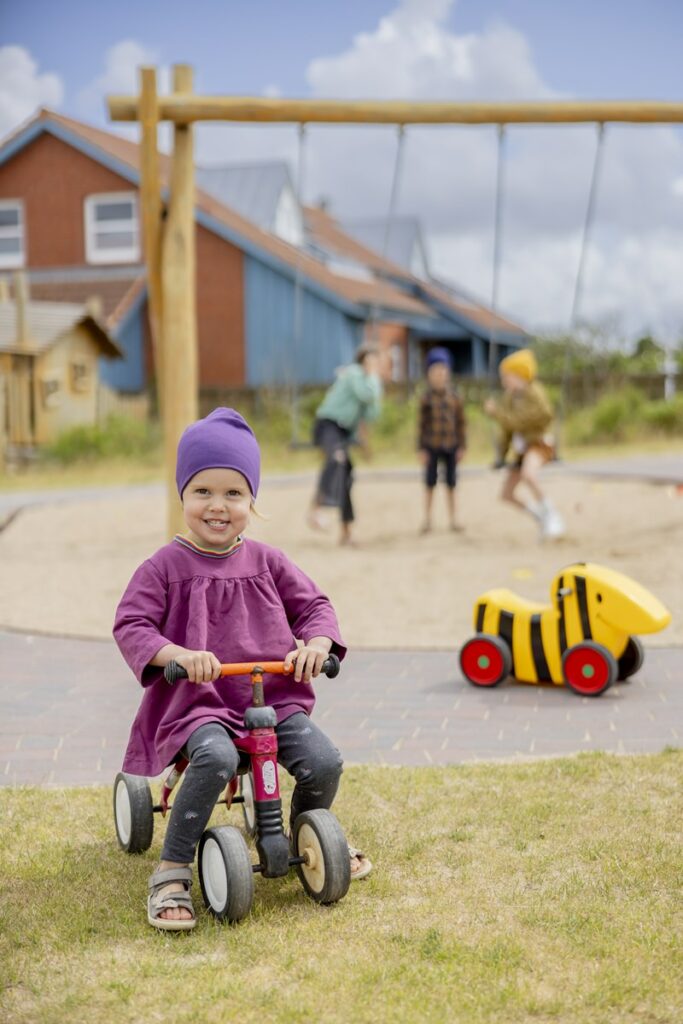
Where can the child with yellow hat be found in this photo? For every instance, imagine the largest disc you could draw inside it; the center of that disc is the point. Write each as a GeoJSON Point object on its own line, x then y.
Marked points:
{"type": "Point", "coordinates": [525, 415]}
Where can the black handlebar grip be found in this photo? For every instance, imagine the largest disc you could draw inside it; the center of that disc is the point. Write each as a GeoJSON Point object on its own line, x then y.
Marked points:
{"type": "Point", "coordinates": [331, 666]}
{"type": "Point", "coordinates": [174, 671]}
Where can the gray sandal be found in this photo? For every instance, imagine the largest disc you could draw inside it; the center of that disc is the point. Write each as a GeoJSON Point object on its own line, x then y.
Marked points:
{"type": "Point", "coordinates": [364, 866]}
{"type": "Point", "coordinates": [158, 901]}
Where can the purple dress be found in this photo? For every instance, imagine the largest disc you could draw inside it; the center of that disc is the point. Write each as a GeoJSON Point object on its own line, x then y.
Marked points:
{"type": "Point", "coordinates": [247, 605]}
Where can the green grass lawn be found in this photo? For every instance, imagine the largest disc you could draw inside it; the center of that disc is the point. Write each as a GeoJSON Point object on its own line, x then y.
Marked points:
{"type": "Point", "coordinates": [546, 892]}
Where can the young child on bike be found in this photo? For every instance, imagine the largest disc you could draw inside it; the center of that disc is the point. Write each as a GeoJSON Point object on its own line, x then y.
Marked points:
{"type": "Point", "coordinates": [525, 417]}
{"type": "Point", "coordinates": [213, 596]}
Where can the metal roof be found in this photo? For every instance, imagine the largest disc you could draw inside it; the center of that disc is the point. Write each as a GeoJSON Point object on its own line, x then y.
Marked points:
{"type": "Point", "coordinates": [404, 235]}
{"type": "Point", "coordinates": [252, 189]}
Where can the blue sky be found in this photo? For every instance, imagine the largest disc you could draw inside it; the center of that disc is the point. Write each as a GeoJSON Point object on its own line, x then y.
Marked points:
{"type": "Point", "coordinates": [69, 54]}
{"type": "Point", "coordinates": [596, 48]}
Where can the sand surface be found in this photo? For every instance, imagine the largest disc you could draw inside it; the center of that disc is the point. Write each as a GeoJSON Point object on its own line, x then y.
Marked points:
{"type": "Point", "coordinates": [64, 566]}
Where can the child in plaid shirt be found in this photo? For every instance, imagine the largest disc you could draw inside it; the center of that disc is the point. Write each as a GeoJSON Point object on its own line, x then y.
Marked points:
{"type": "Point", "coordinates": [441, 433]}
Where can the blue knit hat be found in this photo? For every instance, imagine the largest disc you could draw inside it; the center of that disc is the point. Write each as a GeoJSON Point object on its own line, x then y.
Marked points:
{"type": "Point", "coordinates": [439, 355]}
{"type": "Point", "coordinates": [222, 440]}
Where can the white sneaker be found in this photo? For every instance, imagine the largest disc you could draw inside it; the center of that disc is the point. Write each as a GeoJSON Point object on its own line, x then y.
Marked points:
{"type": "Point", "coordinates": [552, 525]}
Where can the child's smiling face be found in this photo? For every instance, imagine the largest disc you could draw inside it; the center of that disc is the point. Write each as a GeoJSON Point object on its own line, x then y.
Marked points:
{"type": "Point", "coordinates": [216, 506]}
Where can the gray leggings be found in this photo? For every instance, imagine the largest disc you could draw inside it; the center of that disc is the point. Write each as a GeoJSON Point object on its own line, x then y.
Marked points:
{"type": "Point", "coordinates": [303, 749]}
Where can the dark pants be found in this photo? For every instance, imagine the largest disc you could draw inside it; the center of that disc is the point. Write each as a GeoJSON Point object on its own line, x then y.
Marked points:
{"type": "Point", "coordinates": [446, 456]}
{"type": "Point", "coordinates": [303, 749]}
{"type": "Point", "coordinates": [336, 477]}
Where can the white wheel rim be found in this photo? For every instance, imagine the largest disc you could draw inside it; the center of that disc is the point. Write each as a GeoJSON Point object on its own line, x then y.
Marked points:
{"type": "Point", "coordinates": [248, 805]}
{"type": "Point", "coordinates": [124, 821]}
{"type": "Point", "coordinates": [308, 845]}
{"type": "Point", "coordinates": [214, 875]}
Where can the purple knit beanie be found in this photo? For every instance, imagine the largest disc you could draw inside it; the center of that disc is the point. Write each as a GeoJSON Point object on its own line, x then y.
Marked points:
{"type": "Point", "coordinates": [439, 355]}
{"type": "Point", "coordinates": [223, 440]}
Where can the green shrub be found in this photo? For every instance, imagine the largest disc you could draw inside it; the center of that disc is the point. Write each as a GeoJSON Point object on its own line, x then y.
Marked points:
{"type": "Point", "coordinates": [397, 419]}
{"type": "Point", "coordinates": [665, 416]}
{"type": "Point", "coordinates": [614, 416]}
{"type": "Point", "coordinates": [118, 436]}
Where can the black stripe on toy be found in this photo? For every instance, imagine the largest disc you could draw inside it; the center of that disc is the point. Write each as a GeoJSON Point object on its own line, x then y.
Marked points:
{"type": "Point", "coordinates": [540, 663]}
{"type": "Point", "coordinates": [505, 633]}
{"type": "Point", "coordinates": [562, 629]}
{"type": "Point", "coordinates": [582, 598]}
{"type": "Point", "coordinates": [481, 611]}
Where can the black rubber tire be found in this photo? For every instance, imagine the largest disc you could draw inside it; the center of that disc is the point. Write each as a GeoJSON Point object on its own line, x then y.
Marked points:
{"type": "Point", "coordinates": [246, 790]}
{"type": "Point", "coordinates": [225, 873]}
{"type": "Point", "coordinates": [327, 878]}
{"type": "Point", "coordinates": [591, 651]}
{"type": "Point", "coordinates": [631, 660]}
{"type": "Point", "coordinates": [468, 665]}
{"type": "Point", "coordinates": [133, 814]}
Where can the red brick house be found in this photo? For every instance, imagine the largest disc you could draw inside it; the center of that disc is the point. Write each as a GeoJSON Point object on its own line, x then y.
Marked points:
{"type": "Point", "coordinates": [69, 216]}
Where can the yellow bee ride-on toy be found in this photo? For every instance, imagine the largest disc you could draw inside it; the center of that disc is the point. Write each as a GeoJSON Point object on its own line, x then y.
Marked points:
{"type": "Point", "coordinates": [585, 638]}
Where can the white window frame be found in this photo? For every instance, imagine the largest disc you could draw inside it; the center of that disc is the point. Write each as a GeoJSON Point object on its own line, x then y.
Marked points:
{"type": "Point", "coordinates": [95, 253]}
{"type": "Point", "coordinates": [9, 261]}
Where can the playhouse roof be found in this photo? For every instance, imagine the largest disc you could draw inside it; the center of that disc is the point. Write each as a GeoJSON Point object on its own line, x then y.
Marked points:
{"type": "Point", "coordinates": [116, 288]}
{"type": "Point", "coordinates": [46, 322]}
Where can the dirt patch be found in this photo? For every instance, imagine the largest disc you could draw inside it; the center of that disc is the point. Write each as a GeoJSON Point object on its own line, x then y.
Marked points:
{"type": "Point", "coordinates": [65, 566]}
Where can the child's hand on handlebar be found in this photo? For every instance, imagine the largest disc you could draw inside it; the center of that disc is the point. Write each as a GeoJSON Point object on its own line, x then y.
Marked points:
{"type": "Point", "coordinates": [201, 666]}
{"type": "Point", "coordinates": [308, 660]}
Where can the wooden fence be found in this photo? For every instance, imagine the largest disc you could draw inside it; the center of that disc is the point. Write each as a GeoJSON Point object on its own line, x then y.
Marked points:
{"type": "Point", "coordinates": [114, 403]}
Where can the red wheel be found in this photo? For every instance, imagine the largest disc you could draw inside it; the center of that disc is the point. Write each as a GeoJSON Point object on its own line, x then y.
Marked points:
{"type": "Point", "coordinates": [485, 660]}
{"type": "Point", "coordinates": [589, 668]}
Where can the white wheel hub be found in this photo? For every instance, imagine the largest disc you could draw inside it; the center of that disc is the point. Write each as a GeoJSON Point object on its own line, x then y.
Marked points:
{"type": "Point", "coordinates": [309, 847]}
{"type": "Point", "coordinates": [214, 875]}
{"type": "Point", "coordinates": [124, 816]}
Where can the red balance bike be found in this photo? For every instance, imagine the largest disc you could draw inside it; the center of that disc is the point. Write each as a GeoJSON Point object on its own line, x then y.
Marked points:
{"type": "Point", "coordinates": [318, 847]}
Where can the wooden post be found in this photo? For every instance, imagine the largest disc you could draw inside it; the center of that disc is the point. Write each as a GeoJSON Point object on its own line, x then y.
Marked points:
{"type": "Point", "coordinates": [179, 321]}
{"type": "Point", "coordinates": [21, 308]}
{"type": "Point", "coordinates": [151, 210]}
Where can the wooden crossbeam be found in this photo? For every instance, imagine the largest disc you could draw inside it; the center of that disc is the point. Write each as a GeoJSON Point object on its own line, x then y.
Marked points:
{"type": "Point", "coordinates": [184, 108]}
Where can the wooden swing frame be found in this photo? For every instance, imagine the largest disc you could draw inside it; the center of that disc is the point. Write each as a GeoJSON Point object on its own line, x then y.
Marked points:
{"type": "Point", "coordinates": [169, 229]}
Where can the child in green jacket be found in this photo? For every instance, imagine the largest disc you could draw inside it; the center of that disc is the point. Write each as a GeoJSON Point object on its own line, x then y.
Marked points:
{"type": "Point", "coordinates": [349, 405]}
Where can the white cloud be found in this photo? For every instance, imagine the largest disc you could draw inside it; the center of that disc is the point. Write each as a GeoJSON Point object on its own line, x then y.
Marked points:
{"type": "Point", "coordinates": [121, 76]}
{"type": "Point", "coordinates": [23, 88]}
{"type": "Point", "coordinates": [412, 55]}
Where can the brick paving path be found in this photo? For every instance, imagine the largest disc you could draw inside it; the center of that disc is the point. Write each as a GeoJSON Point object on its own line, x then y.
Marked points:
{"type": "Point", "coordinates": [66, 706]}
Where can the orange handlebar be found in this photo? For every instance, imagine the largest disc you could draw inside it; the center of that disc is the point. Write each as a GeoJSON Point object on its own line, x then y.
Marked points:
{"type": "Point", "coordinates": [173, 671]}
{"type": "Point", "coordinates": [245, 668]}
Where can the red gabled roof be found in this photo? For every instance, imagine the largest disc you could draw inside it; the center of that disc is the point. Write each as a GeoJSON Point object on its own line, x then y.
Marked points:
{"type": "Point", "coordinates": [331, 235]}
